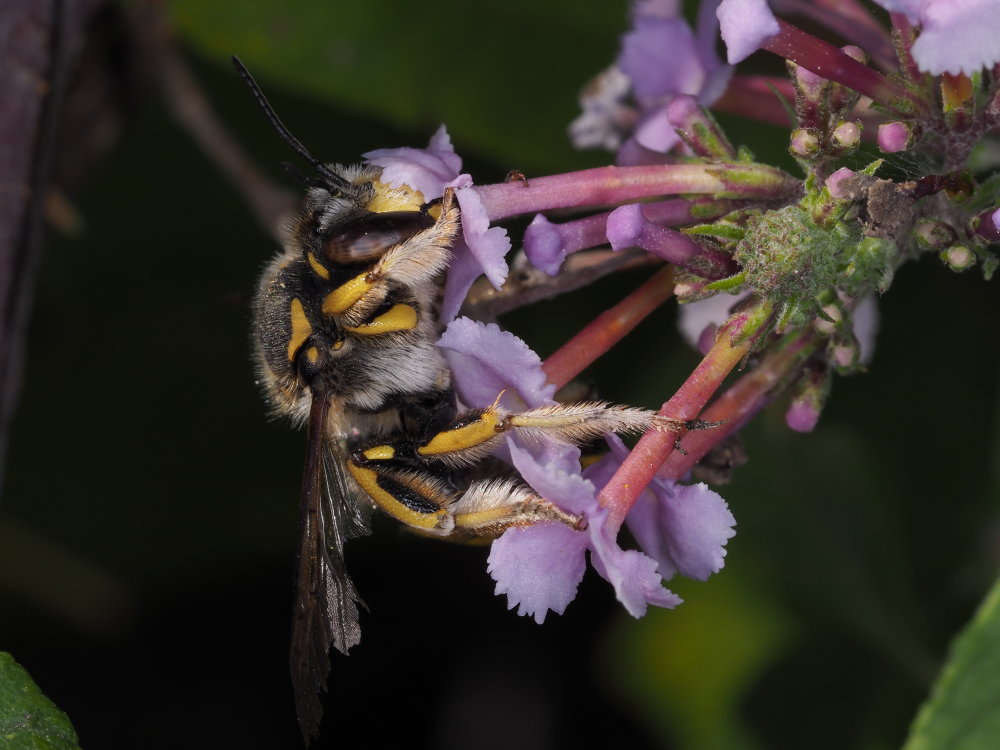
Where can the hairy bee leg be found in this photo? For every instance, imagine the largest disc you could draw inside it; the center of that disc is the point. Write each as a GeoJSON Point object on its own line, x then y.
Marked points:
{"type": "Point", "coordinates": [490, 507]}
{"type": "Point", "coordinates": [419, 499]}
{"type": "Point", "coordinates": [411, 496]}
{"type": "Point", "coordinates": [475, 434]}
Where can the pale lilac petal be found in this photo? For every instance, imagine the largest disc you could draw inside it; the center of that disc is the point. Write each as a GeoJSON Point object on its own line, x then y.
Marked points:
{"type": "Point", "coordinates": [427, 170]}
{"type": "Point", "coordinates": [696, 317]}
{"type": "Point", "coordinates": [996, 219]}
{"type": "Point", "coordinates": [538, 567]}
{"type": "Point", "coordinates": [632, 574]}
{"type": "Point", "coordinates": [660, 58]}
{"type": "Point", "coordinates": [956, 36]}
{"type": "Point", "coordinates": [486, 360]}
{"type": "Point", "coordinates": [745, 25]}
{"type": "Point", "coordinates": [655, 131]}
{"type": "Point", "coordinates": [488, 244]}
{"type": "Point", "coordinates": [544, 245]}
{"type": "Point", "coordinates": [555, 475]}
{"type": "Point", "coordinates": [684, 527]}
{"type": "Point", "coordinates": [865, 320]}
{"type": "Point", "coordinates": [463, 271]}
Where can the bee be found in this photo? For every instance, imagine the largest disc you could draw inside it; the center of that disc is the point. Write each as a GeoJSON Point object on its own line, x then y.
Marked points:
{"type": "Point", "coordinates": [345, 321]}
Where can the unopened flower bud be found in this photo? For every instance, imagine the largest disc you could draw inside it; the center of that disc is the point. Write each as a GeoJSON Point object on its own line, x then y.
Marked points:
{"type": "Point", "coordinates": [698, 128]}
{"type": "Point", "coordinates": [804, 144]}
{"type": "Point", "coordinates": [845, 136]}
{"type": "Point", "coordinates": [856, 53]}
{"type": "Point", "coordinates": [838, 184]}
{"type": "Point", "coordinates": [894, 137]}
{"type": "Point", "coordinates": [809, 396]}
{"type": "Point", "coordinates": [958, 258]}
{"type": "Point", "coordinates": [987, 225]}
{"type": "Point", "coordinates": [932, 234]}
{"type": "Point", "coordinates": [844, 353]}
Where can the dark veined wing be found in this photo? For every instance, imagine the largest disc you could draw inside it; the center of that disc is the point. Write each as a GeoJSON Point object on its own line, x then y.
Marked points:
{"type": "Point", "coordinates": [326, 603]}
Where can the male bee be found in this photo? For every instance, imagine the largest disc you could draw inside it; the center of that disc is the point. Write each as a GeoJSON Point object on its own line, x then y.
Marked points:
{"type": "Point", "coordinates": [345, 325]}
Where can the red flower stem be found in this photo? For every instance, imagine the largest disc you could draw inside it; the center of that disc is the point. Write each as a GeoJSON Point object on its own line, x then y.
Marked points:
{"type": "Point", "coordinates": [848, 19]}
{"type": "Point", "coordinates": [741, 401]}
{"type": "Point", "coordinates": [825, 60]}
{"type": "Point", "coordinates": [636, 471]}
{"type": "Point", "coordinates": [757, 97]}
{"type": "Point", "coordinates": [614, 185]}
{"type": "Point", "coordinates": [607, 329]}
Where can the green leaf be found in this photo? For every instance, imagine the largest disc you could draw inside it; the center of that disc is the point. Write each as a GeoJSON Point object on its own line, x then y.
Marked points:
{"type": "Point", "coordinates": [502, 76]}
{"type": "Point", "coordinates": [963, 712]}
{"type": "Point", "coordinates": [29, 720]}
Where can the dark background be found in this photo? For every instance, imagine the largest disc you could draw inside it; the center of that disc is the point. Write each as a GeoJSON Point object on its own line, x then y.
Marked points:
{"type": "Point", "coordinates": [148, 516]}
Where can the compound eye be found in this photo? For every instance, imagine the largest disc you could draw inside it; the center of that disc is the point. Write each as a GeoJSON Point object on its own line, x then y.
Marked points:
{"type": "Point", "coordinates": [368, 238]}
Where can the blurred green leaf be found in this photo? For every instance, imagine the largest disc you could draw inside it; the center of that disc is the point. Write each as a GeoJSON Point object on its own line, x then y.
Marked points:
{"type": "Point", "coordinates": [963, 713]}
{"type": "Point", "coordinates": [687, 674]}
{"type": "Point", "coordinates": [29, 720]}
{"type": "Point", "coordinates": [502, 76]}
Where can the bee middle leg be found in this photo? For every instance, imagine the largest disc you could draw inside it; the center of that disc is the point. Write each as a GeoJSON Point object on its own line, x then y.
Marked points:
{"type": "Point", "coordinates": [475, 434]}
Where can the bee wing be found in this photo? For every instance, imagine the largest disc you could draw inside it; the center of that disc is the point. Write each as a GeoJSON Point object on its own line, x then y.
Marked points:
{"type": "Point", "coordinates": [326, 602]}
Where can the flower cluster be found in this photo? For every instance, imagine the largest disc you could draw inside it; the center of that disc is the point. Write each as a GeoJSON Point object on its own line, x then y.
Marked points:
{"type": "Point", "coordinates": [774, 271]}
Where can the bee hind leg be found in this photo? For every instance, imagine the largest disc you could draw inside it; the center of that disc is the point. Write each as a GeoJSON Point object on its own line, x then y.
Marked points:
{"type": "Point", "coordinates": [423, 501]}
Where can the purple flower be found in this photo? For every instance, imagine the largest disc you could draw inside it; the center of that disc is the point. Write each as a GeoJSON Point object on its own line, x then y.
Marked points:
{"type": "Point", "coordinates": [745, 25]}
{"type": "Point", "coordinates": [540, 567]}
{"type": "Point", "coordinates": [683, 527]}
{"type": "Point", "coordinates": [632, 574]}
{"type": "Point", "coordinates": [486, 360]}
{"type": "Point", "coordinates": [428, 170]}
{"type": "Point", "coordinates": [660, 57]}
{"type": "Point", "coordinates": [956, 36]}
{"type": "Point", "coordinates": [431, 170]}
{"type": "Point", "coordinates": [482, 249]}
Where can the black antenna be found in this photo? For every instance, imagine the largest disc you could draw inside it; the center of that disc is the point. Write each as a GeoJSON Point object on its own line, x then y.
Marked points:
{"type": "Point", "coordinates": [331, 178]}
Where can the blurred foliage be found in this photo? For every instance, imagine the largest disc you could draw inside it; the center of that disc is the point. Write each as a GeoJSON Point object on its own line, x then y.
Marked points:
{"type": "Point", "coordinates": [29, 720]}
{"type": "Point", "coordinates": [962, 714]}
{"type": "Point", "coordinates": [418, 65]}
{"type": "Point", "coordinates": [154, 504]}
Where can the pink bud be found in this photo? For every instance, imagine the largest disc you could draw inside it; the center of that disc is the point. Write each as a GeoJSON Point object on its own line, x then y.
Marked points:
{"type": "Point", "coordinates": [894, 137]}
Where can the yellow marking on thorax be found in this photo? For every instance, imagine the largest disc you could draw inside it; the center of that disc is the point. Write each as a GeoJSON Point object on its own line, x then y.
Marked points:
{"type": "Point", "coordinates": [380, 453]}
{"type": "Point", "coordinates": [387, 198]}
{"type": "Point", "coordinates": [368, 480]}
{"type": "Point", "coordinates": [300, 327]}
{"type": "Point", "coordinates": [318, 268]}
{"type": "Point", "coordinates": [347, 294]}
{"type": "Point", "coordinates": [397, 318]}
{"type": "Point", "coordinates": [461, 438]}
{"type": "Point", "coordinates": [312, 354]}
